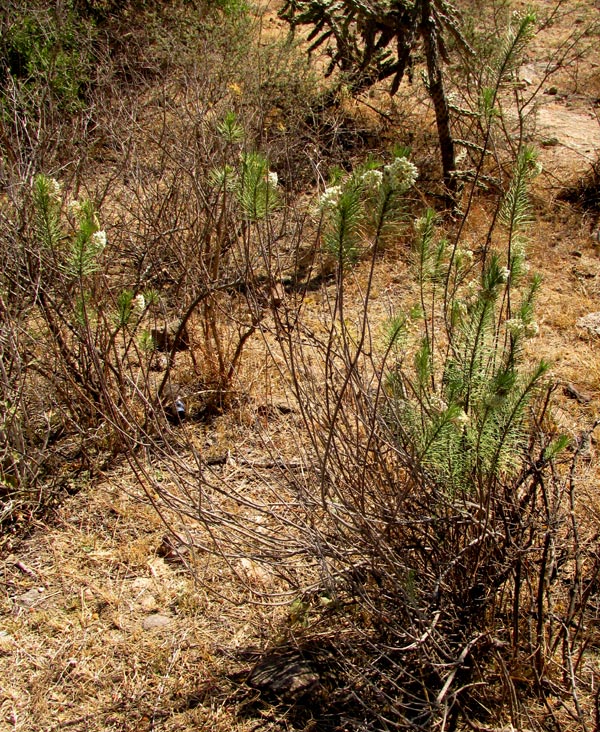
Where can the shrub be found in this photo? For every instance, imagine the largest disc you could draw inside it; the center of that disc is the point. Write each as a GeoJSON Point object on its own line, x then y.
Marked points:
{"type": "Point", "coordinates": [429, 542]}
{"type": "Point", "coordinates": [444, 533]}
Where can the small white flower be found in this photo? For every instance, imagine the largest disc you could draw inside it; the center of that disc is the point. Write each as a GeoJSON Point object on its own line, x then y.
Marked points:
{"type": "Point", "coordinates": [519, 328]}
{"type": "Point", "coordinates": [138, 304]}
{"type": "Point", "coordinates": [330, 198]}
{"type": "Point", "coordinates": [438, 403]}
{"type": "Point", "coordinates": [75, 208]}
{"type": "Point", "coordinates": [272, 178]}
{"type": "Point", "coordinates": [472, 288]}
{"type": "Point", "coordinates": [54, 188]}
{"type": "Point", "coordinates": [515, 326]}
{"type": "Point", "coordinates": [99, 239]}
{"type": "Point", "coordinates": [504, 274]}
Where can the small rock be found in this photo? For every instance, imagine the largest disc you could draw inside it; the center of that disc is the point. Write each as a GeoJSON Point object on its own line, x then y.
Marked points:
{"type": "Point", "coordinates": [255, 573]}
{"type": "Point", "coordinates": [573, 393]}
{"type": "Point", "coordinates": [590, 323]}
{"type": "Point", "coordinates": [155, 622]}
{"type": "Point", "coordinates": [288, 676]}
{"type": "Point", "coordinates": [148, 602]}
{"type": "Point", "coordinates": [172, 549]}
{"type": "Point", "coordinates": [584, 446]}
{"type": "Point", "coordinates": [30, 598]}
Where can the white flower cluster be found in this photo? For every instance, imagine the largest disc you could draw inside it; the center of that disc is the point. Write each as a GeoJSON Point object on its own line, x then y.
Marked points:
{"type": "Point", "coordinates": [464, 255]}
{"type": "Point", "coordinates": [330, 198]}
{"type": "Point", "coordinates": [138, 304]}
{"type": "Point", "coordinates": [400, 175]}
{"type": "Point", "coordinates": [75, 208]}
{"type": "Point", "coordinates": [54, 189]}
{"type": "Point", "coordinates": [99, 240]}
{"type": "Point", "coordinates": [372, 179]}
{"type": "Point", "coordinates": [518, 328]}
{"type": "Point", "coordinates": [504, 274]}
{"type": "Point", "coordinates": [438, 403]}
{"type": "Point", "coordinates": [272, 178]}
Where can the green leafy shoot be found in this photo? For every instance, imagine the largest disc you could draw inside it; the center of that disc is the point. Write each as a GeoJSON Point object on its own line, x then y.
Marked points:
{"type": "Point", "coordinates": [87, 245]}
{"type": "Point", "coordinates": [230, 129]}
{"type": "Point", "coordinates": [47, 202]}
{"type": "Point", "coordinates": [257, 187]}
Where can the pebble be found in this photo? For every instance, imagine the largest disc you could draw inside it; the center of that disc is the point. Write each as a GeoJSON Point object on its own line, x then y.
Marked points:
{"type": "Point", "coordinates": [155, 622]}
{"type": "Point", "coordinates": [31, 597]}
{"type": "Point", "coordinates": [591, 323]}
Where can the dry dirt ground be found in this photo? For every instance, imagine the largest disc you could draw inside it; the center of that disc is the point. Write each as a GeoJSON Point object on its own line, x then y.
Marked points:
{"type": "Point", "coordinates": [101, 628]}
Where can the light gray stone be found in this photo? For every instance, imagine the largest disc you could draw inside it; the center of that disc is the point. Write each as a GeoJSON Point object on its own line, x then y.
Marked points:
{"type": "Point", "coordinates": [156, 622]}
{"type": "Point", "coordinates": [590, 323]}
{"type": "Point", "coordinates": [31, 598]}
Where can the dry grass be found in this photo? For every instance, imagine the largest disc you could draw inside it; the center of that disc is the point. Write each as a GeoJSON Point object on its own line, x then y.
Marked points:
{"type": "Point", "coordinates": [77, 655]}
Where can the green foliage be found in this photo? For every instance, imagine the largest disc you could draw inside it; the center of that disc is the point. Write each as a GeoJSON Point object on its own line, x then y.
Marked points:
{"type": "Point", "coordinates": [48, 51]}
{"type": "Point", "coordinates": [231, 8]}
{"type": "Point", "coordinates": [124, 307]}
{"type": "Point", "coordinates": [87, 244]}
{"type": "Point", "coordinates": [510, 51]}
{"type": "Point", "coordinates": [343, 237]}
{"type": "Point", "coordinates": [77, 255]}
{"type": "Point", "coordinates": [247, 176]}
{"type": "Point", "coordinates": [257, 187]}
{"type": "Point", "coordinates": [47, 202]}
{"type": "Point", "coordinates": [230, 129]}
{"type": "Point", "coordinates": [462, 407]}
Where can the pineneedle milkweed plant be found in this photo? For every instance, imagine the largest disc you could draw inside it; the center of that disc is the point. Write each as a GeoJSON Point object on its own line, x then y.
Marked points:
{"type": "Point", "coordinates": [366, 208]}
{"type": "Point", "coordinates": [53, 333]}
{"type": "Point", "coordinates": [464, 407]}
{"type": "Point", "coordinates": [446, 524]}
{"type": "Point", "coordinates": [242, 194]}
{"type": "Point", "coordinates": [93, 332]}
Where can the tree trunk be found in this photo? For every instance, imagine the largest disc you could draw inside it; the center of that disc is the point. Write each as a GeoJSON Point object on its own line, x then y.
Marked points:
{"type": "Point", "coordinates": [438, 97]}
